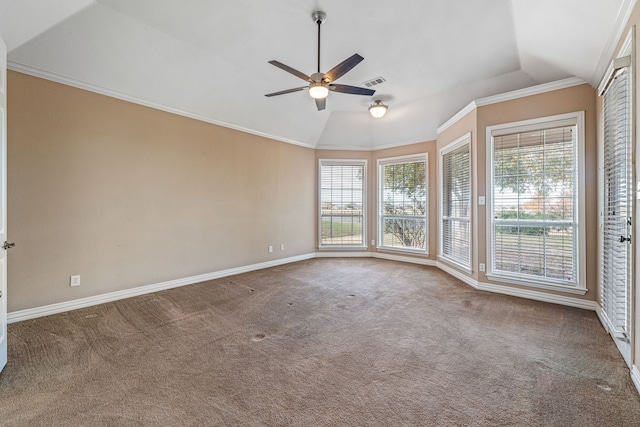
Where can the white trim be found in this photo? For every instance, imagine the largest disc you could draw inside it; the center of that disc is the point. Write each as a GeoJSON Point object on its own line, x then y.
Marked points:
{"type": "Point", "coordinates": [54, 77]}
{"type": "Point", "coordinates": [535, 283]}
{"type": "Point", "coordinates": [578, 118]}
{"type": "Point", "coordinates": [428, 138]}
{"type": "Point", "coordinates": [456, 117]}
{"type": "Point", "coordinates": [344, 162]}
{"type": "Point", "coordinates": [510, 96]}
{"type": "Point", "coordinates": [452, 146]}
{"type": "Point", "coordinates": [458, 274]}
{"type": "Point", "coordinates": [455, 264]}
{"type": "Point", "coordinates": [624, 13]}
{"type": "Point", "coordinates": [517, 292]}
{"type": "Point", "coordinates": [46, 310]}
{"type": "Point", "coordinates": [635, 377]}
{"type": "Point", "coordinates": [411, 260]}
{"type": "Point", "coordinates": [338, 254]}
{"type": "Point", "coordinates": [538, 296]}
{"type": "Point", "coordinates": [343, 248]}
{"type": "Point", "coordinates": [380, 163]}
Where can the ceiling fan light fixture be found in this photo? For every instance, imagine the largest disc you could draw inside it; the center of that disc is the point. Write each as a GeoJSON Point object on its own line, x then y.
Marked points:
{"type": "Point", "coordinates": [378, 109]}
{"type": "Point", "coordinates": [318, 91]}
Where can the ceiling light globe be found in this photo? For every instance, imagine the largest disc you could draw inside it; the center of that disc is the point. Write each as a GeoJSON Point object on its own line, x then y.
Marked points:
{"type": "Point", "coordinates": [378, 109]}
{"type": "Point", "coordinates": [318, 91]}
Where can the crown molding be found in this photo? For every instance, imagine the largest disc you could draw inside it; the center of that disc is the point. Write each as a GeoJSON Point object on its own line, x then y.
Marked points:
{"type": "Point", "coordinates": [624, 13]}
{"type": "Point", "coordinates": [69, 81]}
{"type": "Point", "coordinates": [510, 96]}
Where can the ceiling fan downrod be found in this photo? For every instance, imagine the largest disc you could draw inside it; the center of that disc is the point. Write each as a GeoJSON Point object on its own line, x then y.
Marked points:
{"type": "Point", "coordinates": [319, 17]}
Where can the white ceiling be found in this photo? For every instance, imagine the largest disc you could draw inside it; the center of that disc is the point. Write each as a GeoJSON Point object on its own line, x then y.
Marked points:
{"type": "Point", "coordinates": [209, 58]}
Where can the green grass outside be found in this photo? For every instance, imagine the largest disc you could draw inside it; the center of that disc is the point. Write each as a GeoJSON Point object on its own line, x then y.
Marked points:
{"type": "Point", "coordinates": [340, 229]}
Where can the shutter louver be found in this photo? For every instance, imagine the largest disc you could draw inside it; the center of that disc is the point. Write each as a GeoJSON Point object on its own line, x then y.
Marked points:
{"type": "Point", "coordinates": [615, 256]}
{"type": "Point", "coordinates": [456, 205]}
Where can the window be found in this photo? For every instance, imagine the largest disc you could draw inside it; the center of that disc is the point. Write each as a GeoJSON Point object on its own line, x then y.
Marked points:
{"type": "Point", "coordinates": [402, 202]}
{"type": "Point", "coordinates": [455, 226]}
{"type": "Point", "coordinates": [617, 222]}
{"type": "Point", "coordinates": [536, 206]}
{"type": "Point", "coordinates": [342, 204]}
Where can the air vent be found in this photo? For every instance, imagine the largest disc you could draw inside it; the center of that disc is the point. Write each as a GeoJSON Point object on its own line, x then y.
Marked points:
{"type": "Point", "coordinates": [375, 82]}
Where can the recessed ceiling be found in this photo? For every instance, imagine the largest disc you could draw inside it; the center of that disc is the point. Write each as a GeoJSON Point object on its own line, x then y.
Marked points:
{"type": "Point", "coordinates": [209, 58]}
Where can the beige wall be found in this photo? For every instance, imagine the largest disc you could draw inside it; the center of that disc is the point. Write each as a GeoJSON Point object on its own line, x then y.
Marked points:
{"type": "Point", "coordinates": [125, 195]}
{"type": "Point", "coordinates": [423, 147]}
{"type": "Point", "coordinates": [578, 98]}
{"type": "Point", "coordinates": [372, 181]}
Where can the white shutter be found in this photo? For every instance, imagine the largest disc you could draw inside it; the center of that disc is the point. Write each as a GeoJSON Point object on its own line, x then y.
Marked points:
{"type": "Point", "coordinates": [616, 203]}
{"type": "Point", "coordinates": [456, 205]}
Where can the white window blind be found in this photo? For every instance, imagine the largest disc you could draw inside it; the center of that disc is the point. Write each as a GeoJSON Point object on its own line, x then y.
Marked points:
{"type": "Point", "coordinates": [616, 204]}
{"type": "Point", "coordinates": [403, 203]}
{"type": "Point", "coordinates": [342, 203]}
{"type": "Point", "coordinates": [534, 204]}
{"type": "Point", "coordinates": [456, 205]}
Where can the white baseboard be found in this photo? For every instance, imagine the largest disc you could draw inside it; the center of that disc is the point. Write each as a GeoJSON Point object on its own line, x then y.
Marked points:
{"type": "Point", "coordinates": [635, 377]}
{"type": "Point", "coordinates": [517, 292]}
{"type": "Point", "coordinates": [538, 296]}
{"type": "Point", "coordinates": [32, 313]}
{"type": "Point", "coordinates": [380, 255]}
{"type": "Point", "coordinates": [458, 275]}
{"type": "Point", "coordinates": [46, 310]}
{"type": "Point", "coordinates": [344, 254]}
{"type": "Point", "coordinates": [402, 258]}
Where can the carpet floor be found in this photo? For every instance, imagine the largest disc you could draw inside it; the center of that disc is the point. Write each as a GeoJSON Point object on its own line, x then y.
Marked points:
{"type": "Point", "coordinates": [324, 342]}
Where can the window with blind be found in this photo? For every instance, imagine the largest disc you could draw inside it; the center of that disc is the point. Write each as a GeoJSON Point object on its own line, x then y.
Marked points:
{"type": "Point", "coordinates": [402, 203]}
{"type": "Point", "coordinates": [342, 203]}
{"type": "Point", "coordinates": [535, 218]}
{"type": "Point", "coordinates": [455, 225]}
{"type": "Point", "coordinates": [616, 204]}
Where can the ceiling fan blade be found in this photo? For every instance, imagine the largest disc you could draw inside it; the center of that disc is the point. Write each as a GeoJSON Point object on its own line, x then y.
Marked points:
{"type": "Point", "coordinates": [282, 92]}
{"type": "Point", "coordinates": [293, 71]}
{"type": "Point", "coordinates": [321, 103]}
{"type": "Point", "coordinates": [342, 68]}
{"type": "Point", "coordinates": [351, 89]}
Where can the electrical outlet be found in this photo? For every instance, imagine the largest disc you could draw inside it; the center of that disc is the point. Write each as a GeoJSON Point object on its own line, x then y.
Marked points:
{"type": "Point", "coordinates": [481, 200]}
{"type": "Point", "coordinates": [74, 281]}
{"type": "Point", "coordinates": [373, 243]}
{"type": "Point", "coordinates": [482, 267]}
{"type": "Point", "coordinates": [282, 247]}
{"type": "Point", "coordinates": [270, 248]}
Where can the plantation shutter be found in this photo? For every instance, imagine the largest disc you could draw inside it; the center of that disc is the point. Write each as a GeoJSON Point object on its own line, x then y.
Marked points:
{"type": "Point", "coordinates": [617, 209]}
{"type": "Point", "coordinates": [456, 205]}
{"type": "Point", "coordinates": [535, 203]}
{"type": "Point", "coordinates": [342, 203]}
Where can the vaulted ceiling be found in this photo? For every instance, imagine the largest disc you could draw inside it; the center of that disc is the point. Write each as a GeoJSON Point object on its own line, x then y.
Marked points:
{"type": "Point", "coordinates": [208, 59]}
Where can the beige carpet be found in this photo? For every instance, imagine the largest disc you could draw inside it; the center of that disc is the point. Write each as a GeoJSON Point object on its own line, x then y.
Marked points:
{"type": "Point", "coordinates": [326, 342]}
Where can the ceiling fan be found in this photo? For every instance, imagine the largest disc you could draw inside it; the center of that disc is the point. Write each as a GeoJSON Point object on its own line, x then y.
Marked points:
{"type": "Point", "coordinates": [320, 84]}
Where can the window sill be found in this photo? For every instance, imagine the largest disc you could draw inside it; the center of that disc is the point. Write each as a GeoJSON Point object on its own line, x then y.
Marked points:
{"type": "Point", "coordinates": [536, 284]}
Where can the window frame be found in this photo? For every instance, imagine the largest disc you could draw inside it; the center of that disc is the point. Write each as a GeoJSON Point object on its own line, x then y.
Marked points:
{"type": "Point", "coordinates": [343, 162]}
{"type": "Point", "coordinates": [381, 163]}
{"type": "Point", "coordinates": [447, 149]}
{"type": "Point", "coordinates": [574, 118]}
